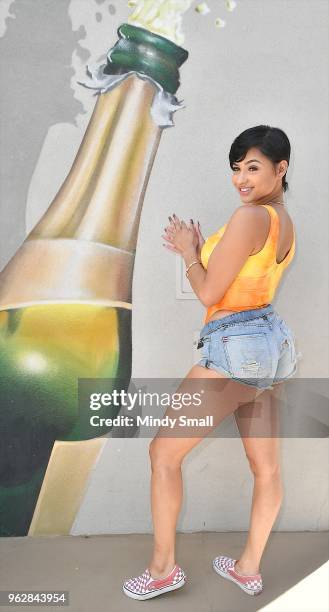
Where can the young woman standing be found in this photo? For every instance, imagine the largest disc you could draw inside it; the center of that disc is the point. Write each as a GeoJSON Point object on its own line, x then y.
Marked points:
{"type": "Point", "coordinates": [245, 344]}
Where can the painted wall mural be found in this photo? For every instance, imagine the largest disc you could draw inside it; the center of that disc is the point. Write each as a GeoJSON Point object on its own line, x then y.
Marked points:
{"type": "Point", "coordinates": [66, 294]}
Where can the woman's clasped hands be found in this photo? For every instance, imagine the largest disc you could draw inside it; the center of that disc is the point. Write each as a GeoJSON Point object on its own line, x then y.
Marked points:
{"type": "Point", "coordinates": [182, 238]}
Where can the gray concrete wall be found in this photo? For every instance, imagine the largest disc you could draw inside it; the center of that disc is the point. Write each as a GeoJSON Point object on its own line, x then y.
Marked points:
{"type": "Point", "coordinates": [266, 66]}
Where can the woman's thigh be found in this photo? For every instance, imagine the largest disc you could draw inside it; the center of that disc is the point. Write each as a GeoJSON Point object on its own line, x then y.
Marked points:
{"type": "Point", "coordinates": [259, 428]}
{"type": "Point", "coordinates": [213, 397]}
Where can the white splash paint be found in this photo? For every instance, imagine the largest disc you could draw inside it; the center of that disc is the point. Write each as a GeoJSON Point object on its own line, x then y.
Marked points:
{"type": "Point", "coordinates": [63, 139]}
{"type": "Point", "coordinates": [162, 17]}
{"type": "Point", "coordinates": [4, 15]}
{"type": "Point", "coordinates": [230, 5]}
{"type": "Point", "coordinates": [202, 8]}
{"type": "Point", "coordinates": [220, 23]}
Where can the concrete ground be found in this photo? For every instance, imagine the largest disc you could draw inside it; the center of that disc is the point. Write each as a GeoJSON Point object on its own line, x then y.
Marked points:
{"type": "Point", "coordinates": [93, 568]}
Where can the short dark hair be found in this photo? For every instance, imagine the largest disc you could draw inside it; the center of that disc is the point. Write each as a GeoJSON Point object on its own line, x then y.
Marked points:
{"type": "Point", "coordinates": [271, 141]}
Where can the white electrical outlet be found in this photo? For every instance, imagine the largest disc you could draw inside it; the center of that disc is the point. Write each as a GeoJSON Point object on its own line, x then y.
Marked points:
{"type": "Point", "coordinates": [183, 287]}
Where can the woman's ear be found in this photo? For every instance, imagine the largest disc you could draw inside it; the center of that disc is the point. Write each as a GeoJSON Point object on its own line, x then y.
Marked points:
{"type": "Point", "coordinates": [283, 167]}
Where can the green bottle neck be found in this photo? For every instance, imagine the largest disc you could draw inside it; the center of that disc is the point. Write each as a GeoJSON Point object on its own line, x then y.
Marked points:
{"type": "Point", "coordinates": [143, 51]}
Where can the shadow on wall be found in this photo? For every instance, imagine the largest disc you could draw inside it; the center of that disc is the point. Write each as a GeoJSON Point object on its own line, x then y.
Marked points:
{"type": "Point", "coordinates": [36, 52]}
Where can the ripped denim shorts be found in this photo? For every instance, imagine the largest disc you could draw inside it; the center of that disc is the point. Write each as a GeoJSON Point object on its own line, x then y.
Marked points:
{"type": "Point", "coordinates": [255, 347]}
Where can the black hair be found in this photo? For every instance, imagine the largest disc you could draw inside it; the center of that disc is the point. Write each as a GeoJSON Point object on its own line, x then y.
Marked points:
{"type": "Point", "coordinates": [271, 141]}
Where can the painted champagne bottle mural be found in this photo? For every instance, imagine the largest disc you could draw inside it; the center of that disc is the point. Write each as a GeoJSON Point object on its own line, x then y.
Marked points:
{"type": "Point", "coordinates": [65, 296]}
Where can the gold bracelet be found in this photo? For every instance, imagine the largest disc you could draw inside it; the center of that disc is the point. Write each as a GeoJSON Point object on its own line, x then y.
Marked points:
{"type": "Point", "coordinates": [191, 264]}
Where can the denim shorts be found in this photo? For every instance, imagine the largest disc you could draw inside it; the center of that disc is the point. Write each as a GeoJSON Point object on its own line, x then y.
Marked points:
{"type": "Point", "coordinates": [255, 347]}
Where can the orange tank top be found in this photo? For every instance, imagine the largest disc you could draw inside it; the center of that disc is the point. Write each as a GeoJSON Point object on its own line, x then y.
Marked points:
{"type": "Point", "coordinates": [258, 279]}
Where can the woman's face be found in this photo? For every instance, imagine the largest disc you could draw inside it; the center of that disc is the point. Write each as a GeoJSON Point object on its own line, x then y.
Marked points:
{"type": "Point", "coordinates": [262, 178]}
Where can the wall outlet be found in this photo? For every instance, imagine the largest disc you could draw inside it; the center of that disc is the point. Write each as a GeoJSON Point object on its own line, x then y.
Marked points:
{"type": "Point", "coordinates": [183, 287]}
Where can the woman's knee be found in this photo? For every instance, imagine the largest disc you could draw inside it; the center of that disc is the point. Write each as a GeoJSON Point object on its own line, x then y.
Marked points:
{"type": "Point", "coordinates": [161, 454]}
{"type": "Point", "coordinates": [265, 470]}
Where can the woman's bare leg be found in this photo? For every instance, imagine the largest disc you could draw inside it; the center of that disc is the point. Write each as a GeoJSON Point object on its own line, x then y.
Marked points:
{"type": "Point", "coordinates": [222, 397]}
{"type": "Point", "coordinates": [263, 454]}
{"type": "Point", "coordinates": [166, 502]}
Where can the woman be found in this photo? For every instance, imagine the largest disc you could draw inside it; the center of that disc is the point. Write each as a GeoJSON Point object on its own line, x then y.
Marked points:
{"type": "Point", "coordinates": [234, 273]}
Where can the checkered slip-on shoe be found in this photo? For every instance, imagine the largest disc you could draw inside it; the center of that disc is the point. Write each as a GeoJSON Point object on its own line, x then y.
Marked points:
{"type": "Point", "coordinates": [224, 566]}
{"type": "Point", "coordinates": [145, 587]}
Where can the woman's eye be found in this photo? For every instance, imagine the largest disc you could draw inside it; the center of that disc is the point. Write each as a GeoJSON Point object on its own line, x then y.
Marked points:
{"type": "Point", "coordinates": [250, 168]}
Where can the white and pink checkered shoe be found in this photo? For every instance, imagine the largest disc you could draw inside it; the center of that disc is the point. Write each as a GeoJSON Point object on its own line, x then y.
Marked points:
{"type": "Point", "coordinates": [145, 587]}
{"type": "Point", "coordinates": [225, 566]}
